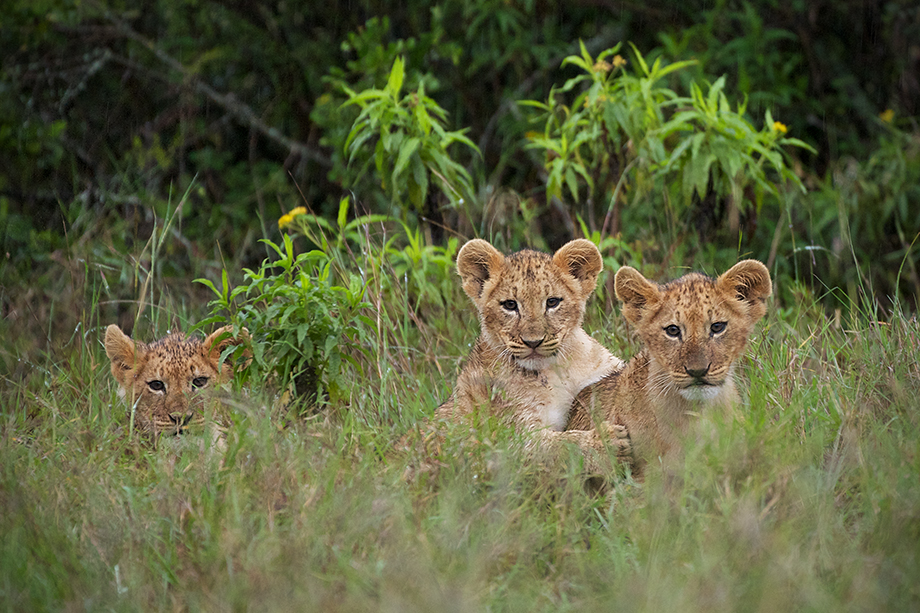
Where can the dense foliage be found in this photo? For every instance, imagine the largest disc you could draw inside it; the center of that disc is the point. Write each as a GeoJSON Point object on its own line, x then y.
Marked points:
{"type": "Point", "coordinates": [110, 108]}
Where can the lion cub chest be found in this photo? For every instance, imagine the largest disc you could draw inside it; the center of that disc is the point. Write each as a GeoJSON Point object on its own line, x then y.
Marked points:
{"type": "Point", "coordinates": [545, 397]}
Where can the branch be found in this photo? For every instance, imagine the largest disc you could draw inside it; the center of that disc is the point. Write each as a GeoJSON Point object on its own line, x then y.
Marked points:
{"type": "Point", "coordinates": [229, 102]}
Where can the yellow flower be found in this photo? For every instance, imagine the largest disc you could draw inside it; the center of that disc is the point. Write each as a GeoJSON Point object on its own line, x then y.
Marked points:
{"type": "Point", "coordinates": [602, 66]}
{"type": "Point", "coordinates": [287, 218]}
{"type": "Point", "coordinates": [618, 61]}
{"type": "Point", "coordinates": [887, 115]}
{"type": "Point", "coordinates": [780, 127]}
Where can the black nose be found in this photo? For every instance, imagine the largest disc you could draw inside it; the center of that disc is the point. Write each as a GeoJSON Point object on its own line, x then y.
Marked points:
{"type": "Point", "coordinates": [533, 344]}
{"type": "Point", "coordinates": [179, 418]}
{"type": "Point", "coordinates": [697, 373]}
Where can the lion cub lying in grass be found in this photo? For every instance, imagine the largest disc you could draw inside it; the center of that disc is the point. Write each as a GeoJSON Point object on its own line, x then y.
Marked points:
{"type": "Point", "coordinates": [168, 381]}
{"type": "Point", "coordinates": [693, 330]}
{"type": "Point", "coordinates": [532, 356]}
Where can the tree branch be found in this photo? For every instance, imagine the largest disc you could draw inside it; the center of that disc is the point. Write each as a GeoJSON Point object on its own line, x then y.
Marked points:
{"type": "Point", "coordinates": [229, 102]}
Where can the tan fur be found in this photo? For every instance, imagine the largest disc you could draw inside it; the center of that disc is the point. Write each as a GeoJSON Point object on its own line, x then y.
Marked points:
{"type": "Point", "coordinates": [676, 376]}
{"type": "Point", "coordinates": [167, 381]}
{"type": "Point", "coordinates": [532, 357]}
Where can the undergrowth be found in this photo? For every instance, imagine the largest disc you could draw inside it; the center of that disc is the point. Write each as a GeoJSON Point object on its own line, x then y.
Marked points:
{"type": "Point", "coordinates": [807, 499]}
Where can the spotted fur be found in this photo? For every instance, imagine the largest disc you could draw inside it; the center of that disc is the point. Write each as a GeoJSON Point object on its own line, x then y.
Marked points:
{"type": "Point", "coordinates": [168, 381]}
{"type": "Point", "coordinates": [693, 330]}
{"type": "Point", "coordinates": [532, 356]}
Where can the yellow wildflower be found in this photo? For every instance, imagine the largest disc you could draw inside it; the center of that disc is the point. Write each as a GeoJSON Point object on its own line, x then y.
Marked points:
{"type": "Point", "coordinates": [602, 66]}
{"type": "Point", "coordinates": [887, 115]}
{"type": "Point", "coordinates": [780, 127]}
{"type": "Point", "coordinates": [618, 61]}
{"type": "Point", "coordinates": [286, 219]}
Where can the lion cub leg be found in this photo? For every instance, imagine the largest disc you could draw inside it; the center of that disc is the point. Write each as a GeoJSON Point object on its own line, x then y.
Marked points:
{"type": "Point", "coordinates": [598, 445]}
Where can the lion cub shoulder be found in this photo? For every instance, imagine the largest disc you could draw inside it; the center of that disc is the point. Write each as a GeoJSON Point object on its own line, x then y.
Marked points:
{"type": "Point", "coordinates": [693, 331]}
{"type": "Point", "coordinates": [167, 381]}
{"type": "Point", "coordinates": [532, 356]}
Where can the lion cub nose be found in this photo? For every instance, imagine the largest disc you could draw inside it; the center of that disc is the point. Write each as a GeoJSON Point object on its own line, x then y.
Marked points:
{"type": "Point", "coordinates": [179, 418]}
{"type": "Point", "coordinates": [532, 343]}
{"type": "Point", "coordinates": [697, 373]}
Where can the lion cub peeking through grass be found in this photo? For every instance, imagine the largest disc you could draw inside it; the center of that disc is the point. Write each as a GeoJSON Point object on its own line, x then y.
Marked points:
{"type": "Point", "coordinates": [168, 381]}
{"type": "Point", "coordinates": [532, 356]}
{"type": "Point", "coordinates": [693, 331]}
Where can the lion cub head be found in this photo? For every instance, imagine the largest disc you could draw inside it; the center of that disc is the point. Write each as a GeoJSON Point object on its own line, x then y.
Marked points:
{"type": "Point", "coordinates": [529, 301]}
{"type": "Point", "coordinates": [695, 328]}
{"type": "Point", "coordinates": [167, 381]}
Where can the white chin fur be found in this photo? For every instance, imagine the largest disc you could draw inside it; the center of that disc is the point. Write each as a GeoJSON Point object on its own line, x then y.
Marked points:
{"type": "Point", "coordinates": [700, 392]}
{"type": "Point", "coordinates": [534, 363]}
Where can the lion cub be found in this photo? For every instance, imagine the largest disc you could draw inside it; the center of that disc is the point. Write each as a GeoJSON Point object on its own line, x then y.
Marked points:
{"type": "Point", "coordinates": [167, 381]}
{"type": "Point", "coordinates": [693, 330]}
{"type": "Point", "coordinates": [532, 356]}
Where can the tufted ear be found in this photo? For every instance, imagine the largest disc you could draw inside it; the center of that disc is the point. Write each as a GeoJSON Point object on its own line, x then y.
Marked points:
{"type": "Point", "coordinates": [125, 355]}
{"type": "Point", "coordinates": [636, 292]}
{"type": "Point", "coordinates": [477, 262]}
{"type": "Point", "coordinates": [581, 259]}
{"type": "Point", "coordinates": [222, 338]}
{"type": "Point", "coordinates": [748, 281]}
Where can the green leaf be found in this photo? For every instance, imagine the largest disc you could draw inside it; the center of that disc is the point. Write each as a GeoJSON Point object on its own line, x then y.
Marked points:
{"type": "Point", "coordinates": [395, 81]}
{"type": "Point", "coordinates": [640, 59]}
{"type": "Point", "coordinates": [208, 283]}
{"type": "Point", "coordinates": [343, 212]}
{"type": "Point", "coordinates": [406, 151]}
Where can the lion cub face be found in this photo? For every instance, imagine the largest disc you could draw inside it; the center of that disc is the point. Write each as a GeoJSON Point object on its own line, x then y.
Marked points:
{"type": "Point", "coordinates": [529, 301]}
{"type": "Point", "coordinates": [695, 327]}
{"type": "Point", "coordinates": [169, 379]}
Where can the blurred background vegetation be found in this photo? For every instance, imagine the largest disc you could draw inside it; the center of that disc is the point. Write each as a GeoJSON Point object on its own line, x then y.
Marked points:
{"type": "Point", "coordinates": [111, 111]}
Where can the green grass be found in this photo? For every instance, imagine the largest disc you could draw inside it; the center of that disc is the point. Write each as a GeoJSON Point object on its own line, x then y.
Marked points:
{"type": "Point", "coordinates": [807, 499]}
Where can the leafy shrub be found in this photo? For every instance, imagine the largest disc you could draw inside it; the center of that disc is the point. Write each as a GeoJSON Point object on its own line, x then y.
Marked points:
{"type": "Point", "coordinates": [407, 256]}
{"type": "Point", "coordinates": [411, 145]}
{"type": "Point", "coordinates": [304, 327]}
{"type": "Point", "coordinates": [628, 136]}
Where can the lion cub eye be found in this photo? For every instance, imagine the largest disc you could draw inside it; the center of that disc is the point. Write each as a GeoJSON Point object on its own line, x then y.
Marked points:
{"type": "Point", "coordinates": [718, 327]}
{"type": "Point", "coordinates": [156, 385]}
{"type": "Point", "coordinates": [672, 331]}
{"type": "Point", "coordinates": [199, 382]}
{"type": "Point", "coordinates": [509, 305]}
{"type": "Point", "coordinates": [552, 303]}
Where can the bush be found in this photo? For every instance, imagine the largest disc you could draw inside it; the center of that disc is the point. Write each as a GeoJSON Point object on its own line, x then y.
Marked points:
{"type": "Point", "coordinates": [304, 326]}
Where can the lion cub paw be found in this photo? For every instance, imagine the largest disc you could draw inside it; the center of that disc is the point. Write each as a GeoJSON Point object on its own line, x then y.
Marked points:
{"type": "Point", "coordinates": [618, 436]}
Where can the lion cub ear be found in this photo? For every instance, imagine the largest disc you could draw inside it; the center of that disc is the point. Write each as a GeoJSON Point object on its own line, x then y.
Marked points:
{"type": "Point", "coordinates": [748, 281]}
{"type": "Point", "coordinates": [126, 355]}
{"type": "Point", "coordinates": [222, 338]}
{"type": "Point", "coordinates": [636, 292]}
{"type": "Point", "coordinates": [477, 262]}
{"type": "Point", "coordinates": [581, 259]}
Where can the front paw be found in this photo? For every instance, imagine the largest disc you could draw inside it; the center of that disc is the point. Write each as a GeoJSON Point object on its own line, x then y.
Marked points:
{"type": "Point", "coordinates": [618, 436]}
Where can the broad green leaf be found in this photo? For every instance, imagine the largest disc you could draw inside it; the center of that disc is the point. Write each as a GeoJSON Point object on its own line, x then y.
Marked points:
{"type": "Point", "coordinates": [395, 81]}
